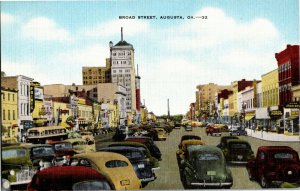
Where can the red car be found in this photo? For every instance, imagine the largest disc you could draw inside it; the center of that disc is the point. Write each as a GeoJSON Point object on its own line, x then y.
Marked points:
{"type": "Point", "coordinates": [68, 178]}
{"type": "Point", "coordinates": [63, 151]}
{"type": "Point", "coordinates": [274, 165]}
{"type": "Point", "coordinates": [211, 130]}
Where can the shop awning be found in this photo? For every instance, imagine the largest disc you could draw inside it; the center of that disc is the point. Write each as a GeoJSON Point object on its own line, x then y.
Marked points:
{"type": "Point", "coordinates": [249, 117]}
{"type": "Point", "coordinates": [293, 117]}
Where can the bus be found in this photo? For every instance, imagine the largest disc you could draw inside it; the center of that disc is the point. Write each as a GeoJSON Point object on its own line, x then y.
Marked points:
{"type": "Point", "coordinates": [46, 134]}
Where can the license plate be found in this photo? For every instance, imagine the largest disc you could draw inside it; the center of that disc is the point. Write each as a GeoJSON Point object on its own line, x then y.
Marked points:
{"type": "Point", "coordinates": [240, 157]}
{"type": "Point", "coordinates": [141, 166]}
{"type": "Point", "coordinates": [125, 182]}
{"type": "Point", "coordinates": [211, 173]}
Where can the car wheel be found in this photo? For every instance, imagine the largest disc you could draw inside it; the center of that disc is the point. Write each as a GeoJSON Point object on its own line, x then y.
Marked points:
{"type": "Point", "coordinates": [263, 182]}
{"type": "Point", "coordinates": [185, 182]}
{"type": "Point", "coordinates": [144, 184]}
{"type": "Point", "coordinates": [250, 175]}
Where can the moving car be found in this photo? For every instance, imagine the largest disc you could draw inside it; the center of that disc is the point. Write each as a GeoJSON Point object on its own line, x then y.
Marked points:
{"type": "Point", "coordinates": [142, 167]}
{"type": "Point", "coordinates": [223, 141]}
{"type": "Point", "coordinates": [42, 155]}
{"type": "Point", "coordinates": [188, 128]}
{"type": "Point", "coordinates": [274, 165]}
{"type": "Point", "coordinates": [237, 131]}
{"type": "Point", "coordinates": [154, 150]}
{"type": "Point", "coordinates": [237, 151]}
{"type": "Point", "coordinates": [67, 178]}
{"type": "Point", "coordinates": [213, 131]}
{"type": "Point", "coordinates": [116, 168]}
{"type": "Point", "coordinates": [205, 167]}
{"type": "Point", "coordinates": [153, 161]}
{"type": "Point", "coordinates": [16, 167]}
{"type": "Point", "coordinates": [177, 125]}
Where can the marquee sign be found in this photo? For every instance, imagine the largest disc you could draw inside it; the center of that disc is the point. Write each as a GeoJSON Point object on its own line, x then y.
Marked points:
{"type": "Point", "coordinates": [293, 105]}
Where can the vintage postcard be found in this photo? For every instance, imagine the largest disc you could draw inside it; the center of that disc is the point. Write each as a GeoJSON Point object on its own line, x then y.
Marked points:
{"type": "Point", "coordinates": [150, 95]}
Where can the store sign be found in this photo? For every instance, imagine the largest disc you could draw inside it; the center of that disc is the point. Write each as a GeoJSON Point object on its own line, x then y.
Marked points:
{"type": "Point", "coordinates": [38, 93]}
{"type": "Point", "coordinates": [276, 113]}
{"type": "Point", "coordinates": [32, 99]}
{"type": "Point", "coordinates": [292, 105]}
{"type": "Point", "coordinates": [294, 113]}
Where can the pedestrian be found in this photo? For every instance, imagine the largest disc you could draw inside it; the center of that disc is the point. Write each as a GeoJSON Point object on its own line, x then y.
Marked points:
{"type": "Point", "coordinates": [23, 139]}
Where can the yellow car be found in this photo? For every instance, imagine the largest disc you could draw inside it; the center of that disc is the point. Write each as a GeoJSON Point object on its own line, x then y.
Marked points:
{"type": "Point", "coordinates": [183, 147]}
{"type": "Point", "coordinates": [161, 134]}
{"type": "Point", "coordinates": [115, 167]}
{"type": "Point", "coordinates": [81, 146]}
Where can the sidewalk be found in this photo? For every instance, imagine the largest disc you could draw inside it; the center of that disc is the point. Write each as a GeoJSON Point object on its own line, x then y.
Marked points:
{"type": "Point", "coordinates": [269, 136]}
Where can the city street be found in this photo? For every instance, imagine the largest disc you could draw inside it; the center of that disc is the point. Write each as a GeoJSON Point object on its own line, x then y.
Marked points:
{"type": "Point", "coordinates": [168, 174]}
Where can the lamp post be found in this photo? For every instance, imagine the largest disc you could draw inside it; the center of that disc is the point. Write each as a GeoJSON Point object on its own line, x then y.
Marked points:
{"type": "Point", "coordinates": [244, 114]}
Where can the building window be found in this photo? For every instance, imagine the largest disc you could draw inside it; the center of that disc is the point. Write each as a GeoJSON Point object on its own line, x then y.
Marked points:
{"type": "Point", "coordinates": [14, 115]}
{"type": "Point", "coordinates": [28, 108]}
{"type": "Point", "coordinates": [8, 96]}
{"type": "Point", "coordinates": [8, 114]}
{"type": "Point", "coordinates": [3, 96]}
{"type": "Point", "coordinates": [3, 114]}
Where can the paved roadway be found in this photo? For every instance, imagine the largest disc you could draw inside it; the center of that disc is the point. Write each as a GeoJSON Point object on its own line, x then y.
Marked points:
{"type": "Point", "coordinates": [168, 174]}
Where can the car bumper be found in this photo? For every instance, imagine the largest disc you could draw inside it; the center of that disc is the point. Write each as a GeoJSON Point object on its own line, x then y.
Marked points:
{"type": "Point", "coordinates": [20, 182]}
{"type": "Point", "coordinates": [238, 162]}
{"type": "Point", "coordinates": [148, 179]}
{"type": "Point", "coordinates": [212, 184]}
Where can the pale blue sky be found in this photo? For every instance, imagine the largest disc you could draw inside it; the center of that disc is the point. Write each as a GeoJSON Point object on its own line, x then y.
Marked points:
{"type": "Point", "coordinates": [51, 41]}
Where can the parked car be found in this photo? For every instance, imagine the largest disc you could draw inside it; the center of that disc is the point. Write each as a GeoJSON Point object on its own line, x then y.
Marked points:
{"type": "Point", "coordinates": [183, 146]}
{"type": "Point", "coordinates": [64, 178]}
{"type": "Point", "coordinates": [115, 167]}
{"type": "Point", "coordinates": [222, 127]}
{"type": "Point", "coordinates": [153, 161]}
{"type": "Point", "coordinates": [142, 167]}
{"type": "Point", "coordinates": [223, 141]}
{"type": "Point", "coordinates": [274, 165]}
{"type": "Point", "coordinates": [213, 131]}
{"type": "Point", "coordinates": [42, 155]}
{"type": "Point", "coordinates": [237, 151]}
{"type": "Point", "coordinates": [188, 128]}
{"type": "Point", "coordinates": [160, 134]}
{"type": "Point", "coordinates": [16, 167]}
{"type": "Point", "coordinates": [205, 167]}
{"type": "Point", "coordinates": [188, 137]}
{"type": "Point", "coordinates": [154, 150]}
{"type": "Point", "coordinates": [237, 131]}
{"type": "Point", "coordinates": [63, 151]}
{"type": "Point", "coordinates": [81, 146]}
{"type": "Point", "coordinates": [88, 136]}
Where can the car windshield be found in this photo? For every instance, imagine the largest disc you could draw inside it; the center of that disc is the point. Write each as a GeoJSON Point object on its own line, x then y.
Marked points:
{"type": "Point", "coordinates": [283, 155]}
{"type": "Point", "coordinates": [42, 150]}
{"type": "Point", "coordinates": [61, 146]}
{"type": "Point", "coordinates": [239, 146]}
{"type": "Point", "coordinates": [208, 157]}
{"type": "Point", "coordinates": [13, 153]}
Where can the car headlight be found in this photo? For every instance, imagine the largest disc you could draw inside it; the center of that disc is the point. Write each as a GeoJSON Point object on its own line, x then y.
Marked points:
{"type": "Point", "coordinates": [5, 184]}
{"type": "Point", "coordinates": [41, 163]}
{"type": "Point", "coordinates": [12, 172]}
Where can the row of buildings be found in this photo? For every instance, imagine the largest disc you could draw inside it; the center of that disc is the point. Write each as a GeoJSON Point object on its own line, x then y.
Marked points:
{"type": "Point", "coordinates": [271, 103]}
{"type": "Point", "coordinates": [109, 97]}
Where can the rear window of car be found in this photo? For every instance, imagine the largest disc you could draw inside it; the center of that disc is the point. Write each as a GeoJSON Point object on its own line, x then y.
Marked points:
{"type": "Point", "coordinates": [284, 155]}
{"type": "Point", "coordinates": [208, 157]}
{"type": "Point", "coordinates": [13, 153]}
{"type": "Point", "coordinates": [115, 164]}
{"type": "Point", "coordinates": [239, 146]}
{"type": "Point", "coordinates": [60, 146]}
{"type": "Point", "coordinates": [42, 150]}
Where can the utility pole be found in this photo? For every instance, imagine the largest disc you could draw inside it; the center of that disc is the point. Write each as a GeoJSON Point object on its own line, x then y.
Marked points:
{"type": "Point", "coordinates": [168, 110]}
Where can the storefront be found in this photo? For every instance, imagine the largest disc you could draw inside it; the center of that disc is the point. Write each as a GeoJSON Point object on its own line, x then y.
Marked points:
{"type": "Point", "coordinates": [249, 120]}
{"type": "Point", "coordinates": [291, 121]}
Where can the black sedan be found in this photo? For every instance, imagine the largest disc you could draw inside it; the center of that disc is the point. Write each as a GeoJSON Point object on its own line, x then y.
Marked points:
{"type": "Point", "coordinates": [142, 167]}
{"type": "Point", "coordinates": [205, 167]}
{"type": "Point", "coordinates": [237, 131]}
